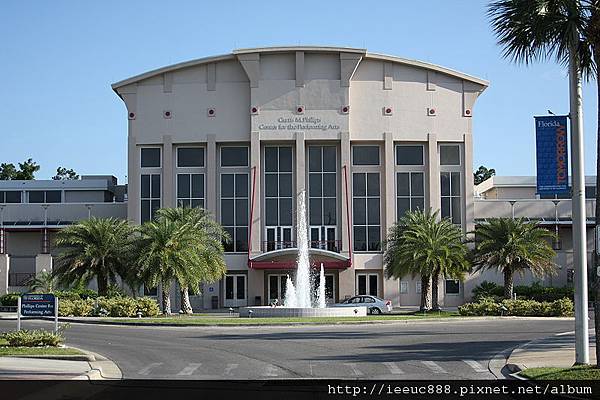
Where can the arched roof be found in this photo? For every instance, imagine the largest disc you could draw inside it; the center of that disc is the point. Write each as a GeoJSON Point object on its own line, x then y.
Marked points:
{"type": "Point", "coordinates": [311, 49]}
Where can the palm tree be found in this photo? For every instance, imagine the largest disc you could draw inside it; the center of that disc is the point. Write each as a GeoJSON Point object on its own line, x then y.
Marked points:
{"type": "Point", "coordinates": [171, 250]}
{"type": "Point", "coordinates": [96, 248]}
{"type": "Point", "coordinates": [513, 246]}
{"type": "Point", "coordinates": [44, 282]}
{"type": "Point", "coordinates": [538, 30]}
{"type": "Point", "coordinates": [420, 244]}
{"type": "Point", "coordinates": [209, 246]}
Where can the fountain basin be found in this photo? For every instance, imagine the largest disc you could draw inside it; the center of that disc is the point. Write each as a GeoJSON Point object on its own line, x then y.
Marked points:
{"type": "Point", "coordinates": [268, 312]}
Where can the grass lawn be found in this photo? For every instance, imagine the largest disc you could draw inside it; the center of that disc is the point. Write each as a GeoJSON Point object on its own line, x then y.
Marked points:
{"type": "Point", "coordinates": [206, 319]}
{"type": "Point", "coordinates": [7, 351]}
{"type": "Point", "coordinates": [580, 372]}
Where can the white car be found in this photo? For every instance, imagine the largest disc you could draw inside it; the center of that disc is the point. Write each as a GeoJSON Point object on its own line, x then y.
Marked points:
{"type": "Point", "coordinates": [374, 304]}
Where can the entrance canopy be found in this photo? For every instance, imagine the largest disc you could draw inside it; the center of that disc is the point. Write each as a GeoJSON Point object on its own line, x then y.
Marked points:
{"type": "Point", "coordinates": [286, 259]}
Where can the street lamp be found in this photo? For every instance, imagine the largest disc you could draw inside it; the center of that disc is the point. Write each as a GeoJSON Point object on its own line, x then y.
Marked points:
{"type": "Point", "coordinates": [578, 203]}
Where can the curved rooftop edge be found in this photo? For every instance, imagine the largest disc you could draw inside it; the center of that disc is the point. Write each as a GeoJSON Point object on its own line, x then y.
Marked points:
{"type": "Point", "coordinates": [271, 255]}
{"type": "Point", "coordinates": [323, 49]}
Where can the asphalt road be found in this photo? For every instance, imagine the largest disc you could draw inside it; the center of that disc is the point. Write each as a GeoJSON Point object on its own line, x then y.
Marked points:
{"type": "Point", "coordinates": [431, 350]}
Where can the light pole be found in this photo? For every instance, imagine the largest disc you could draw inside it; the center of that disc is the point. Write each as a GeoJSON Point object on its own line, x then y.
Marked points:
{"type": "Point", "coordinates": [578, 204]}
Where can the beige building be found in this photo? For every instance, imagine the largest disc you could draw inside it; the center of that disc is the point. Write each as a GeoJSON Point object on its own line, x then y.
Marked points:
{"type": "Point", "coordinates": [365, 136]}
{"type": "Point", "coordinates": [515, 196]}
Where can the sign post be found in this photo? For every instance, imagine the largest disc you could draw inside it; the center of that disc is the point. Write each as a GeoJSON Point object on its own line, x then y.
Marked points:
{"type": "Point", "coordinates": [18, 313]}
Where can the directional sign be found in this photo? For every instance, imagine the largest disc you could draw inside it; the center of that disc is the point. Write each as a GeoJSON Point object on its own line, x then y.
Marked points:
{"type": "Point", "coordinates": [38, 305]}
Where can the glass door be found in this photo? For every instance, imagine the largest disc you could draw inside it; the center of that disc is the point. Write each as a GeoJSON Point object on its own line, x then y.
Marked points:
{"type": "Point", "coordinates": [278, 237]}
{"type": "Point", "coordinates": [276, 288]}
{"type": "Point", "coordinates": [235, 291]}
{"type": "Point", "coordinates": [323, 237]}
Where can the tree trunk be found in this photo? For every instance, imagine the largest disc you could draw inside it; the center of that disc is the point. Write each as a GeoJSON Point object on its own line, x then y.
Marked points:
{"type": "Point", "coordinates": [425, 293]}
{"type": "Point", "coordinates": [508, 283]}
{"type": "Point", "coordinates": [166, 298]}
{"type": "Point", "coordinates": [435, 302]}
{"type": "Point", "coordinates": [102, 281]}
{"type": "Point", "coordinates": [186, 306]}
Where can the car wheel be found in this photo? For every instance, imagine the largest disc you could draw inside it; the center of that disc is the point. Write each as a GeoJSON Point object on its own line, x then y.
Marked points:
{"type": "Point", "coordinates": [375, 311]}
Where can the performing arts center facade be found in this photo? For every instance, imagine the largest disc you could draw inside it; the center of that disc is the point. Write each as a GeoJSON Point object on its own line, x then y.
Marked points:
{"type": "Point", "coordinates": [363, 136]}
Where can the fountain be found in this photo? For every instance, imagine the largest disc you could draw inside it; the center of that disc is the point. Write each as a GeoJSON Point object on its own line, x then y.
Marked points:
{"type": "Point", "coordinates": [299, 300]}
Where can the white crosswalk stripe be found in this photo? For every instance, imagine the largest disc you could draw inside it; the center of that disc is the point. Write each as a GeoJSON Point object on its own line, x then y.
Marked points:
{"type": "Point", "coordinates": [270, 370]}
{"type": "Point", "coordinates": [475, 365]}
{"type": "Point", "coordinates": [190, 369]}
{"type": "Point", "coordinates": [146, 370]}
{"type": "Point", "coordinates": [355, 370]}
{"type": "Point", "coordinates": [230, 367]}
{"type": "Point", "coordinates": [393, 368]}
{"type": "Point", "coordinates": [434, 367]}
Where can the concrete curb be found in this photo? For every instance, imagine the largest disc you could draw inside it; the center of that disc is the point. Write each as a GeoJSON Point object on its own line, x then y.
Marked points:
{"type": "Point", "coordinates": [374, 321]}
{"type": "Point", "coordinates": [101, 367]}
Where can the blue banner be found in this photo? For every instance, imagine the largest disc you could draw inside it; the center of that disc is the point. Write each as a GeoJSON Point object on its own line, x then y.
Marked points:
{"type": "Point", "coordinates": [552, 155]}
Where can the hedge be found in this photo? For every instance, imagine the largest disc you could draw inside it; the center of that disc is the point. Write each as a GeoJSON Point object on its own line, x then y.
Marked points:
{"type": "Point", "coordinates": [9, 300]}
{"type": "Point", "coordinates": [115, 307]}
{"type": "Point", "coordinates": [535, 292]}
{"type": "Point", "coordinates": [33, 338]}
{"type": "Point", "coordinates": [519, 308]}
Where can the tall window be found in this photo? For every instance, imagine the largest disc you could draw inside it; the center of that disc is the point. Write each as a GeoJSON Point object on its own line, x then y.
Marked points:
{"type": "Point", "coordinates": [366, 213]}
{"type": "Point", "coordinates": [150, 196]}
{"type": "Point", "coordinates": [190, 177]}
{"type": "Point", "coordinates": [410, 178]}
{"type": "Point", "coordinates": [278, 197]}
{"type": "Point", "coordinates": [366, 194]}
{"type": "Point", "coordinates": [190, 190]}
{"type": "Point", "coordinates": [234, 196]}
{"type": "Point", "coordinates": [322, 194]}
{"type": "Point", "coordinates": [450, 182]}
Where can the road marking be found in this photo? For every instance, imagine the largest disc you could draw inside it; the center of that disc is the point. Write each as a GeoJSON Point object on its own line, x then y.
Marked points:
{"type": "Point", "coordinates": [230, 367]}
{"type": "Point", "coordinates": [356, 371]}
{"type": "Point", "coordinates": [190, 369]}
{"type": "Point", "coordinates": [310, 368]}
{"type": "Point", "coordinates": [147, 368]}
{"type": "Point", "coordinates": [270, 370]}
{"type": "Point", "coordinates": [475, 365]}
{"type": "Point", "coordinates": [393, 368]}
{"type": "Point", "coordinates": [435, 368]}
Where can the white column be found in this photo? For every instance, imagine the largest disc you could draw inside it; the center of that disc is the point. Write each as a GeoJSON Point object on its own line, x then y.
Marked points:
{"type": "Point", "coordinates": [4, 269]}
{"type": "Point", "coordinates": [43, 262]}
{"type": "Point", "coordinates": [167, 179]}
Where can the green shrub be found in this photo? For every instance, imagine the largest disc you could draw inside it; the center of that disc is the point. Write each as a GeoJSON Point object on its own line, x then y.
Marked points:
{"type": "Point", "coordinates": [562, 308]}
{"type": "Point", "coordinates": [33, 338]}
{"type": "Point", "coordinates": [114, 291]}
{"type": "Point", "coordinates": [117, 307]}
{"type": "Point", "coordinates": [521, 308]}
{"type": "Point", "coordinates": [486, 306]}
{"type": "Point", "coordinates": [76, 294]}
{"type": "Point", "coordinates": [66, 308]}
{"type": "Point", "coordinates": [487, 289]}
{"type": "Point", "coordinates": [536, 291]}
{"type": "Point", "coordinates": [148, 307]}
{"type": "Point", "coordinates": [9, 299]}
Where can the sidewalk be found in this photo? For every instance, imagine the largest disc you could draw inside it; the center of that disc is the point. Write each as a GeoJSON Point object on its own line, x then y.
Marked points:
{"type": "Point", "coordinates": [554, 351]}
{"type": "Point", "coordinates": [97, 367]}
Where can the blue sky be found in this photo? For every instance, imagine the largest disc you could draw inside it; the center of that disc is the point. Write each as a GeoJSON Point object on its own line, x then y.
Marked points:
{"type": "Point", "coordinates": [60, 57]}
